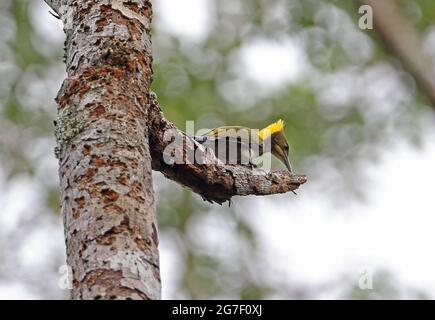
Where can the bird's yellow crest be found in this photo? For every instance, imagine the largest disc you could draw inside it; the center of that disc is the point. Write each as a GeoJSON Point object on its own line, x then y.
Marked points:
{"type": "Point", "coordinates": [271, 129]}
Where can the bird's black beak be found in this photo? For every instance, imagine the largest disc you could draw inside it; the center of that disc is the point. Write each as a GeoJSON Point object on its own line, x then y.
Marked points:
{"type": "Point", "coordinates": [287, 163]}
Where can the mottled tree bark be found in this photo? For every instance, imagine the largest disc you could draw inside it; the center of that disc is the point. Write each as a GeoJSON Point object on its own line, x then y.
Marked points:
{"type": "Point", "coordinates": [110, 133]}
{"type": "Point", "coordinates": [105, 164]}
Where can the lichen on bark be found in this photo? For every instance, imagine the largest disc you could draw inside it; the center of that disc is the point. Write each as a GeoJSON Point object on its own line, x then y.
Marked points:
{"type": "Point", "coordinates": [67, 126]}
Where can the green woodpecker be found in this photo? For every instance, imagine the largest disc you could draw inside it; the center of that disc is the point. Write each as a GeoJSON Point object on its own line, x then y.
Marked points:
{"type": "Point", "coordinates": [236, 144]}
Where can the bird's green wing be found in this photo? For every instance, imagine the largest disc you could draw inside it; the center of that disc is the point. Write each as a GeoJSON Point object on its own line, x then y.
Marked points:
{"type": "Point", "coordinates": [226, 131]}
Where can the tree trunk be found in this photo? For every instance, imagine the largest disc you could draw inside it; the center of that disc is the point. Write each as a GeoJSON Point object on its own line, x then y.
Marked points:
{"type": "Point", "coordinates": [106, 187]}
{"type": "Point", "coordinates": [403, 42]}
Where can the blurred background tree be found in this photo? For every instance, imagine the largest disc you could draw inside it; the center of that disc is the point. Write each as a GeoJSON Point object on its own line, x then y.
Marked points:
{"type": "Point", "coordinates": [344, 98]}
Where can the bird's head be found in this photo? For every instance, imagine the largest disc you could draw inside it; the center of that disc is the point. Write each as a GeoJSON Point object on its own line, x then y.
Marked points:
{"type": "Point", "coordinates": [279, 146]}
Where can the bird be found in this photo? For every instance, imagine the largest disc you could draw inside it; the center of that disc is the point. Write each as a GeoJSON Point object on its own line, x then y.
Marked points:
{"type": "Point", "coordinates": [240, 145]}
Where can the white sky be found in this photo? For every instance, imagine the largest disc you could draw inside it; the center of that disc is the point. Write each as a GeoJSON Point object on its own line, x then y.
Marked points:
{"type": "Point", "coordinates": [393, 231]}
{"type": "Point", "coordinates": [314, 242]}
{"type": "Point", "coordinates": [189, 19]}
